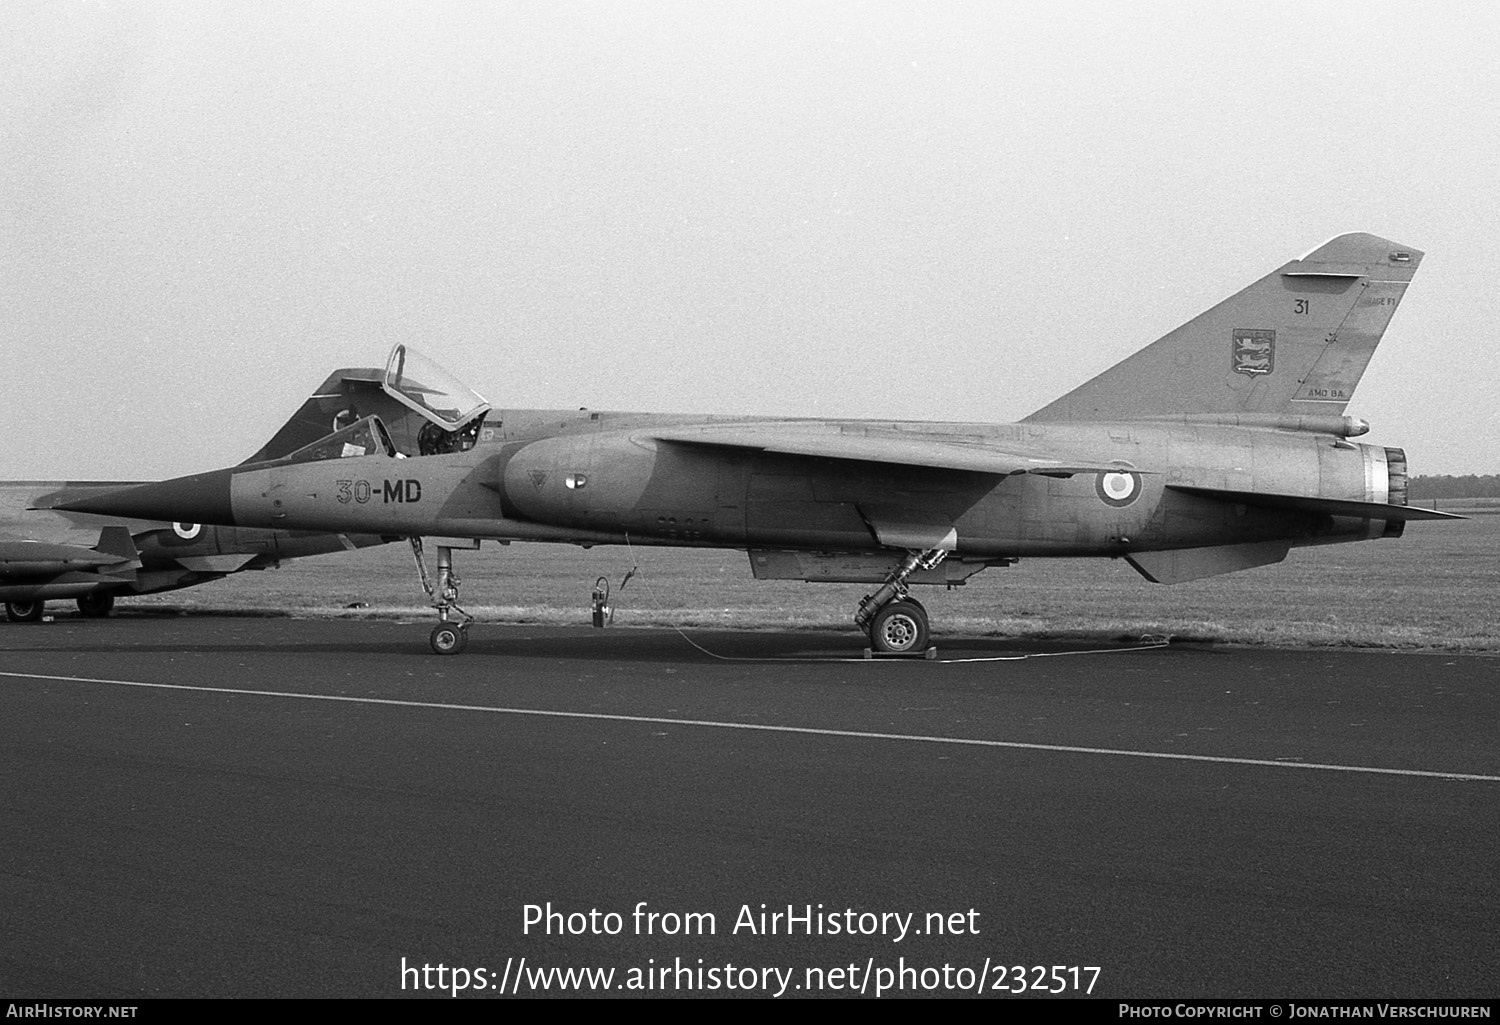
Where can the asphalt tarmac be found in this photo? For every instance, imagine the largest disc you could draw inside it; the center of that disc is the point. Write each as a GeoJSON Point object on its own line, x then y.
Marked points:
{"type": "Point", "coordinates": [216, 807]}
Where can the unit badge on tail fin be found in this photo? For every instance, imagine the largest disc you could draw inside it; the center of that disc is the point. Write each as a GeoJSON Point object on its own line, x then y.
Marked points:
{"type": "Point", "coordinates": [1253, 351]}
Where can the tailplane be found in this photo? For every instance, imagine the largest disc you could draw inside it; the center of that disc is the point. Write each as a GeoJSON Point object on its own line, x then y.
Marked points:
{"type": "Point", "coordinates": [1294, 343]}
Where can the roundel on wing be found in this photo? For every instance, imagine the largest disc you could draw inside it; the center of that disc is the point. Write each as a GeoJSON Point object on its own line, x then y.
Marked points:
{"type": "Point", "coordinates": [187, 531]}
{"type": "Point", "coordinates": [1118, 489]}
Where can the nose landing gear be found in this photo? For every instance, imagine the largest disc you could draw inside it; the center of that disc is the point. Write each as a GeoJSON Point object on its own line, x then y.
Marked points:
{"type": "Point", "coordinates": [451, 635]}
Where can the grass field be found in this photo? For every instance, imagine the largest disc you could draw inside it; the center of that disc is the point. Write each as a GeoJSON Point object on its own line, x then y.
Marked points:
{"type": "Point", "coordinates": [1436, 588]}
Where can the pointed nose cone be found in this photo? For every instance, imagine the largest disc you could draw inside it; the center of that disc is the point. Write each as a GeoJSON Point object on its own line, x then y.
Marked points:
{"type": "Point", "coordinates": [201, 498]}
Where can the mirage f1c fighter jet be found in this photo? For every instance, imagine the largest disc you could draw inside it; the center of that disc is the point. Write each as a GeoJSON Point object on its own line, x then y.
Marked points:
{"type": "Point", "coordinates": [1219, 447]}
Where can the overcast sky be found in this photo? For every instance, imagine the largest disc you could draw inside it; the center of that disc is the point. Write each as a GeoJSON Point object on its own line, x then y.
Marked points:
{"type": "Point", "coordinates": [907, 210]}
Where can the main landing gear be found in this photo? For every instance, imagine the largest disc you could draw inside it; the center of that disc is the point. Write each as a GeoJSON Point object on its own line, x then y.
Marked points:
{"type": "Point", "coordinates": [897, 624]}
{"type": "Point", "coordinates": [24, 611]}
{"type": "Point", "coordinates": [451, 635]}
{"type": "Point", "coordinates": [95, 604]}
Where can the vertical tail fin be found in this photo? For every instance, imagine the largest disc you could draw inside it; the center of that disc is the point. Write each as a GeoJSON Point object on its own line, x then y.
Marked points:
{"type": "Point", "coordinates": [340, 401]}
{"type": "Point", "coordinates": [1295, 342]}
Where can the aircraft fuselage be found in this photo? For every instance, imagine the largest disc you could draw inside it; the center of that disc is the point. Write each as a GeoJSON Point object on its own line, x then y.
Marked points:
{"type": "Point", "coordinates": [603, 478]}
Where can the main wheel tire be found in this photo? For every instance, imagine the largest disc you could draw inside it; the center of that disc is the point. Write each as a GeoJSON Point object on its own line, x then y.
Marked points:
{"type": "Point", "coordinates": [96, 605]}
{"type": "Point", "coordinates": [24, 611]}
{"type": "Point", "coordinates": [449, 639]}
{"type": "Point", "coordinates": [900, 628]}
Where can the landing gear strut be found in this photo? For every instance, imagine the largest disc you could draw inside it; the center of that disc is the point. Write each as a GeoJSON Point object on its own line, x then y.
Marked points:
{"type": "Point", "coordinates": [451, 635]}
{"type": "Point", "coordinates": [897, 624]}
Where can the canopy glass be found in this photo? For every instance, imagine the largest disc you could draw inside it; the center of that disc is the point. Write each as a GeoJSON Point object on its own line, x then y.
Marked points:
{"type": "Point", "coordinates": [420, 384]}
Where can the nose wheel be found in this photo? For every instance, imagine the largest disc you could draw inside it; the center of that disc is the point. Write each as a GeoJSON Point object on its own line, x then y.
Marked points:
{"type": "Point", "coordinates": [450, 638]}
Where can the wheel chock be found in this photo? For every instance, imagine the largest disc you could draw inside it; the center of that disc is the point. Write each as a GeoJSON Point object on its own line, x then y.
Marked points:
{"type": "Point", "coordinates": [930, 654]}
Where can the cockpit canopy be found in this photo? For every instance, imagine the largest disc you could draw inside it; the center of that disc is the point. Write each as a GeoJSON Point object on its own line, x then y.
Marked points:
{"type": "Point", "coordinates": [426, 388]}
{"type": "Point", "coordinates": [367, 437]}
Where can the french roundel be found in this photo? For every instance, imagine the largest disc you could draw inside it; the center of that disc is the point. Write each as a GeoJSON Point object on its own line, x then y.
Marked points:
{"type": "Point", "coordinates": [1118, 489]}
{"type": "Point", "coordinates": [187, 531]}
